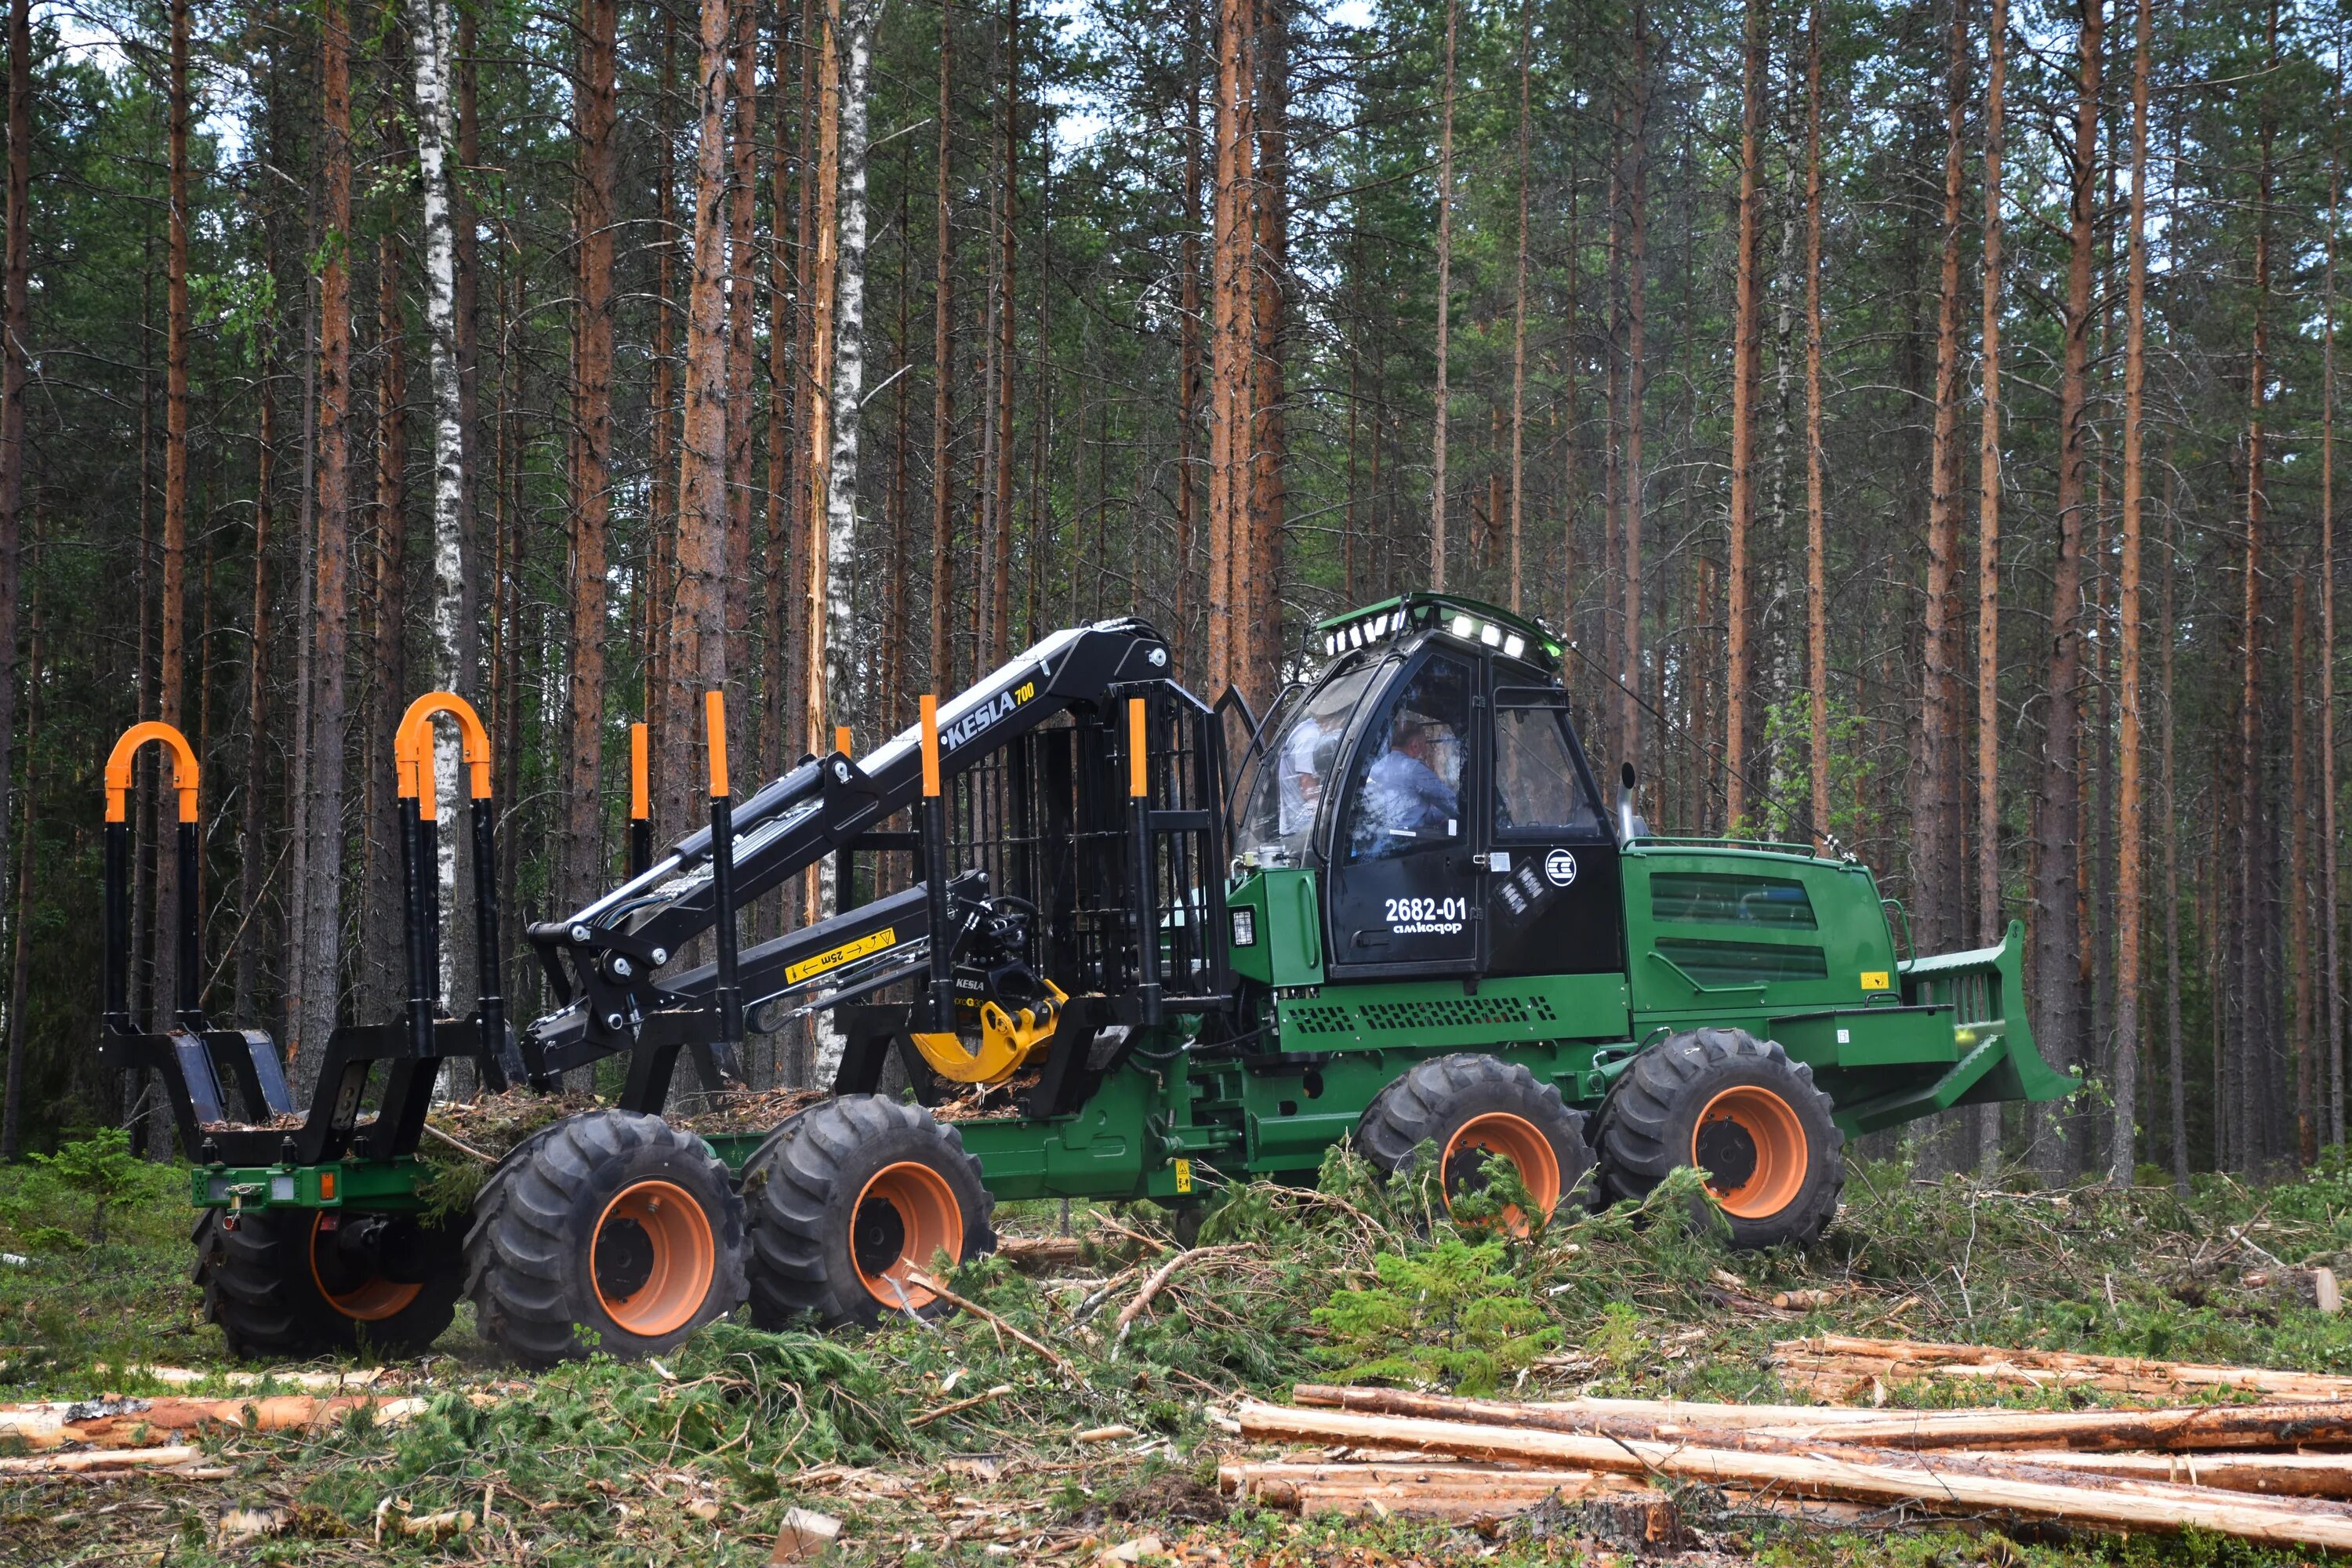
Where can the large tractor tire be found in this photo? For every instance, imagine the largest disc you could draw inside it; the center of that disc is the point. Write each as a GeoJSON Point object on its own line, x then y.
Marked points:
{"type": "Point", "coordinates": [610, 1231]}
{"type": "Point", "coordinates": [849, 1197]}
{"type": "Point", "coordinates": [1736, 1107]}
{"type": "Point", "coordinates": [1471, 1108]}
{"type": "Point", "coordinates": [285, 1284]}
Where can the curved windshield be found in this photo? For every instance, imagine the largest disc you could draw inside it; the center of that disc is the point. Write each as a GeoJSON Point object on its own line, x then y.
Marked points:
{"type": "Point", "coordinates": [1300, 763]}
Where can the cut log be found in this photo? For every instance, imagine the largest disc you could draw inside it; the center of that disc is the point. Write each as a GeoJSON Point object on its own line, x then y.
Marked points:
{"type": "Point", "coordinates": [2278, 1474]}
{"type": "Point", "coordinates": [102, 1461]}
{"type": "Point", "coordinates": [1929, 1483]}
{"type": "Point", "coordinates": [1894, 1360]}
{"type": "Point", "coordinates": [117, 1422]}
{"type": "Point", "coordinates": [2200, 1427]}
{"type": "Point", "coordinates": [1041, 1251]}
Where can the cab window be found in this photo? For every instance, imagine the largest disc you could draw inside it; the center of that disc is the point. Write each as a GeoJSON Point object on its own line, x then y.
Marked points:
{"type": "Point", "coordinates": [1406, 791]}
{"type": "Point", "coordinates": [1538, 793]}
{"type": "Point", "coordinates": [1298, 767]}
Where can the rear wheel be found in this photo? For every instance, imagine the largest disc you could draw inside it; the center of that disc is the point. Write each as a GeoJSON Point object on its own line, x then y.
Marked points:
{"type": "Point", "coordinates": [1473, 1108]}
{"type": "Point", "coordinates": [848, 1200]}
{"type": "Point", "coordinates": [284, 1283]}
{"type": "Point", "coordinates": [611, 1231]}
{"type": "Point", "coordinates": [1737, 1108]}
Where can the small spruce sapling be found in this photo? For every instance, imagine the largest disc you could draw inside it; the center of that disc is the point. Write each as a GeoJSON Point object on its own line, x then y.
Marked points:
{"type": "Point", "coordinates": [1451, 1315]}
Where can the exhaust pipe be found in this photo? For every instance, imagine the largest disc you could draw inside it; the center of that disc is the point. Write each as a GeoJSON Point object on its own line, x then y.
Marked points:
{"type": "Point", "coordinates": [1630, 825]}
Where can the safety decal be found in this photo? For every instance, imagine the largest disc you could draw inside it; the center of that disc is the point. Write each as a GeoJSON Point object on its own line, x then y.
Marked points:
{"type": "Point", "coordinates": [847, 953]}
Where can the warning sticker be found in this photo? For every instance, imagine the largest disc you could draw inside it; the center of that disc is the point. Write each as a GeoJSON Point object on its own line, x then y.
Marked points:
{"type": "Point", "coordinates": [1876, 979]}
{"type": "Point", "coordinates": [1184, 1176]}
{"type": "Point", "coordinates": [833, 958]}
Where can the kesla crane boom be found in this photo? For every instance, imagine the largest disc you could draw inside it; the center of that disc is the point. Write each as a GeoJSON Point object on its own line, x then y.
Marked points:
{"type": "Point", "coordinates": [1056, 876]}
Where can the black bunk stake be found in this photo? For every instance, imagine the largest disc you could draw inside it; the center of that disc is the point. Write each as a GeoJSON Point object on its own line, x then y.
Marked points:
{"type": "Point", "coordinates": [184, 773]}
{"type": "Point", "coordinates": [641, 809]}
{"type": "Point", "coordinates": [491, 1002]}
{"type": "Point", "coordinates": [419, 937]}
{"type": "Point", "coordinates": [1147, 914]}
{"type": "Point", "coordinates": [845, 859]}
{"type": "Point", "coordinates": [935, 875]}
{"type": "Point", "coordinates": [722, 866]}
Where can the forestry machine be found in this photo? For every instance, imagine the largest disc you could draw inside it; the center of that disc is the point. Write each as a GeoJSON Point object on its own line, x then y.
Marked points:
{"type": "Point", "coordinates": [1094, 938]}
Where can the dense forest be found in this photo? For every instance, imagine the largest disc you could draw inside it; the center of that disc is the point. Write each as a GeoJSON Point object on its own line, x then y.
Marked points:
{"type": "Point", "coordinates": [1919, 419]}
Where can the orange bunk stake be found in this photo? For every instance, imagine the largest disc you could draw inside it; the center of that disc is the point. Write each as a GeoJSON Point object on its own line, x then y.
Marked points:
{"type": "Point", "coordinates": [420, 885]}
{"type": "Point", "coordinates": [641, 809]}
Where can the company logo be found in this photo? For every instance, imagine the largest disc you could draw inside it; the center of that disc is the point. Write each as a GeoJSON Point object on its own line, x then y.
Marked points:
{"type": "Point", "coordinates": [1560, 867]}
{"type": "Point", "coordinates": [987, 713]}
{"type": "Point", "coordinates": [833, 958]}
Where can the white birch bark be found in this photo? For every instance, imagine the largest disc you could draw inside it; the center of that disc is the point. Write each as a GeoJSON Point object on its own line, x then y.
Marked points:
{"type": "Point", "coordinates": [429, 45]}
{"type": "Point", "coordinates": [854, 33]}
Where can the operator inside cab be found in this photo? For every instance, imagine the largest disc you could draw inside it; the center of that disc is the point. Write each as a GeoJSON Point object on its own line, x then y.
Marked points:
{"type": "Point", "coordinates": [1412, 791]}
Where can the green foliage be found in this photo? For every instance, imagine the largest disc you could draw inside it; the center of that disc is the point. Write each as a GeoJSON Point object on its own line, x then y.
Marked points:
{"type": "Point", "coordinates": [99, 1171]}
{"type": "Point", "coordinates": [1451, 1315]}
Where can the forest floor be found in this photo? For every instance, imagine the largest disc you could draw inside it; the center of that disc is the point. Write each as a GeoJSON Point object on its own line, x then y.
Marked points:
{"type": "Point", "coordinates": [697, 1458]}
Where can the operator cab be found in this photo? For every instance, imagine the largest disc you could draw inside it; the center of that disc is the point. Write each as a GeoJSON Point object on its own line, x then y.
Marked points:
{"type": "Point", "coordinates": [1431, 777]}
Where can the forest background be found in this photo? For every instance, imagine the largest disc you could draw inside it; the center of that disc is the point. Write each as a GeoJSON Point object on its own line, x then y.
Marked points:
{"type": "Point", "coordinates": [1919, 417]}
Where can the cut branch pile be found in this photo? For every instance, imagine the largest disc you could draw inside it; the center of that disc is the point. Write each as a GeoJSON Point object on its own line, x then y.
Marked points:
{"type": "Point", "coordinates": [1840, 1367]}
{"type": "Point", "coordinates": [2249, 1470]}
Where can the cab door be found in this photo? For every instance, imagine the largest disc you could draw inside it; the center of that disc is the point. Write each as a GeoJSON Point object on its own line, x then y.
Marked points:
{"type": "Point", "coordinates": [1405, 884]}
{"type": "Point", "coordinates": [1554, 903]}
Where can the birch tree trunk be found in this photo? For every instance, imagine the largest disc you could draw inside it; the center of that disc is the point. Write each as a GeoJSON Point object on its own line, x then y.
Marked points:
{"type": "Point", "coordinates": [429, 49]}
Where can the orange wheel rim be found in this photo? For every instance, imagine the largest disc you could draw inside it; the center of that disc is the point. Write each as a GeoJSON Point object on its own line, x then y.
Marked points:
{"type": "Point", "coordinates": [1755, 1150]}
{"type": "Point", "coordinates": [652, 1258]}
{"type": "Point", "coordinates": [1515, 1139]}
{"type": "Point", "coordinates": [904, 1214]}
{"type": "Point", "coordinates": [371, 1300]}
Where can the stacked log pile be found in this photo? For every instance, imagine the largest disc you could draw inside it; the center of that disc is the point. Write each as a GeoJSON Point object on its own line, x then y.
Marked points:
{"type": "Point", "coordinates": [2279, 1470]}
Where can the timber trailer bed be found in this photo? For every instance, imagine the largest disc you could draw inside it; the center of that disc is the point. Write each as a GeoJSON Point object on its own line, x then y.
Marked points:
{"type": "Point", "coordinates": [1400, 916]}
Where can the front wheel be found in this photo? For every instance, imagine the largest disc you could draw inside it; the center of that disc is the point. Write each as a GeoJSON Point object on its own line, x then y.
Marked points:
{"type": "Point", "coordinates": [1737, 1108]}
{"type": "Point", "coordinates": [611, 1231]}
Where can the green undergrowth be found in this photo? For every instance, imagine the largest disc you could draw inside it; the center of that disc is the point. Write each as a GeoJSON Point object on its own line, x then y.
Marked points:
{"type": "Point", "coordinates": [694, 1458]}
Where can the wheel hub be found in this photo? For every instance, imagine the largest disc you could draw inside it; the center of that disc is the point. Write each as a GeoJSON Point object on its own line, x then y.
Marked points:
{"type": "Point", "coordinates": [624, 1260]}
{"type": "Point", "coordinates": [1727, 1150]}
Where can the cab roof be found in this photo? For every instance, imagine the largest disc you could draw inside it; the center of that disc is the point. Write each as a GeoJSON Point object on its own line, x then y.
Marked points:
{"type": "Point", "coordinates": [1473, 620]}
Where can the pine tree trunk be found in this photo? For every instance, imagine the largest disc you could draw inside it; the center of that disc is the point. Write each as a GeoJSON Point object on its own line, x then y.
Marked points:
{"type": "Point", "coordinates": [942, 670]}
{"type": "Point", "coordinates": [1747, 342]}
{"type": "Point", "coordinates": [1817, 608]}
{"type": "Point", "coordinates": [668, 761]}
{"type": "Point", "coordinates": [697, 645]}
{"type": "Point", "coordinates": [1936, 868]}
{"type": "Point", "coordinates": [2130, 826]}
{"type": "Point", "coordinates": [742, 319]}
{"type": "Point", "coordinates": [2057, 986]}
{"type": "Point", "coordinates": [314, 1005]}
{"type": "Point", "coordinates": [1269, 196]}
{"type": "Point", "coordinates": [171, 685]}
{"type": "Point", "coordinates": [382, 990]}
{"type": "Point", "coordinates": [1519, 324]}
{"type": "Point", "coordinates": [253, 819]}
{"type": "Point", "coordinates": [16, 347]}
{"type": "Point", "coordinates": [2330, 860]}
{"type": "Point", "coordinates": [1991, 917]}
{"type": "Point", "coordinates": [1188, 368]}
{"type": "Point", "coordinates": [2253, 1151]}
{"type": "Point", "coordinates": [1445, 307]}
{"type": "Point", "coordinates": [2175, 1050]}
{"type": "Point", "coordinates": [1232, 419]}
{"type": "Point", "coordinates": [1637, 317]}
{"type": "Point", "coordinates": [12, 1101]}
{"type": "Point", "coordinates": [594, 113]}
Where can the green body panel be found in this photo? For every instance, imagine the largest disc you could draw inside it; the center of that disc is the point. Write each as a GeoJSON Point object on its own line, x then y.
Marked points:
{"type": "Point", "coordinates": [1286, 923]}
{"type": "Point", "coordinates": [1451, 1014]}
{"type": "Point", "coordinates": [390, 1186]}
{"type": "Point", "coordinates": [1776, 942]}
